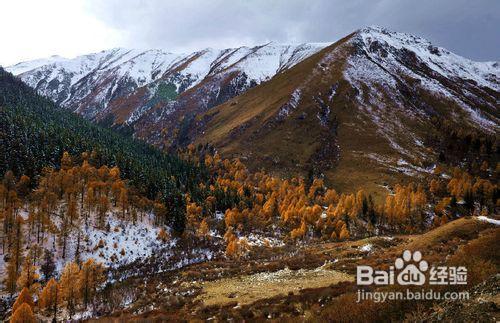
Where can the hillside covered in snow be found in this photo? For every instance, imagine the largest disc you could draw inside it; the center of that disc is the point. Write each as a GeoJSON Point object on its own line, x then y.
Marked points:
{"type": "Point", "coordinates": [97, 85]}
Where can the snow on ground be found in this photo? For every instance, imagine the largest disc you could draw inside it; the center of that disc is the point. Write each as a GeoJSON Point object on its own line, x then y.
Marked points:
{"type": "Point", "coordinates": [127, 243]}
{"type": "Point", "coordinates": [366, 248]}
{"type": "Point", "coordinates": [23, 67]}
{"type": "Point", "coordinates": [437, 58]}
{"type": "Point", "coordinates": [263, 62]}
{"type": "Point", "coordinates": [401, 165]}
{"type": "Point", "coordinates": [384, 70]}
{"type": "Point", "coordinates": [258, 240]}
{"type": "Point", "coordinates": [489, 220]}
{"type": "Point", "coordinates": [136, 240]}
{"type": "Point", "coordinates": [219, 215]}
{"type": "Point", "coordinates": [291, 105]}
{"type": "Point", "coordinates": [193, 257]}
{"type": "Point", "coordinates": [411, 169]}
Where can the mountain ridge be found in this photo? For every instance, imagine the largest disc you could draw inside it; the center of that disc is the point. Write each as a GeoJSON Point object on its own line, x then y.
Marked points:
{"type": "Point", "coordinates": [375, 98]}
{"type": "Point", "coordinates": [89, 83]}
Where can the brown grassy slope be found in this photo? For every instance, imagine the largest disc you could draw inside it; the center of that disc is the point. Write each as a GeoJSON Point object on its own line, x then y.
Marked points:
{"type": "Point", "coordinates": [345, 146]}
{"type": "Point", "coordinates": [246, 127]}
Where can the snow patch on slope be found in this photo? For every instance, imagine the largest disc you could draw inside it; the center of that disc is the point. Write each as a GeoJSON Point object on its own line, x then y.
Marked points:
{"type": "Point", "coordinates": [385, 68]}
{"type": "Point", "coordinates": [290, 105]}
{"type": "Point", "coordinates": [489, 220]}
{"type": "Point", "coordinates": [23, 67]}
{"type": "Point", "coordinates": [379, 69]}
{"type": "Point", "coordinates": [437, 58]}
{"type": "Point", "coordinates": [138, 241]}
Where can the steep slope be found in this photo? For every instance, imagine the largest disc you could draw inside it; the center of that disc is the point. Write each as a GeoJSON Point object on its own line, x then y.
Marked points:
{"type": "Point", "coordinates": [34, 133]}
{"type": "Point", "coordinates": [362, 111]}
{"type": "Point", "coordinates": [120, 85]}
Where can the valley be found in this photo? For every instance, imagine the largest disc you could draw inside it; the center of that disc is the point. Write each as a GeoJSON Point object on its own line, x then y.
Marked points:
{"type": "Point", "coordinates": [249, 183]}
{"type": "Point", "coordinates": [322, 298]}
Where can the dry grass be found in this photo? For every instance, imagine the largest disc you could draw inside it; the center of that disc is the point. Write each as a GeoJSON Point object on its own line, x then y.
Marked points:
{"type": "Point", "coordinates": [463, 228]}
{"type": "Point", "coordinates": [245, 127]}
{"type": "Point", "coordinates": [259, 288]}
{"type": "Point", "coordinates": [248, 289]}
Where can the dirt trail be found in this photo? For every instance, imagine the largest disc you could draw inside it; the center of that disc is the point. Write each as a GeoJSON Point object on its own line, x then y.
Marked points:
{"type": "Point", "coordinates": [248, 289]}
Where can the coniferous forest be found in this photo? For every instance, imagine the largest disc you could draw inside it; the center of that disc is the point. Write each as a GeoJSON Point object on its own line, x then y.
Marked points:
{"type": "Point", "coordinates": [35, 133]}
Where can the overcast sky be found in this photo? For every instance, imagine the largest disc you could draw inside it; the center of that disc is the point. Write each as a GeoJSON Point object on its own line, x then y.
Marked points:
{"type": "Point", "coordinates": [32, 29]}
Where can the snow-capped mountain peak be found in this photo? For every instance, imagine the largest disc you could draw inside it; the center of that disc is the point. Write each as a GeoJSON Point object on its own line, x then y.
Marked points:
{"type": "Point", "coordinates": [96, 84]}
{"type": "Point", "coordinates": [376, 38]}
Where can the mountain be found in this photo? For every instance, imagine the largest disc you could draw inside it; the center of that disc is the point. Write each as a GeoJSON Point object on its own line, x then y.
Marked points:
{"type": "Point", "coordinates": [367, 111]}
{"type": "Point", "coordinates": [373, 107]}
{"type": "Point", "coordinates": [120, 85]}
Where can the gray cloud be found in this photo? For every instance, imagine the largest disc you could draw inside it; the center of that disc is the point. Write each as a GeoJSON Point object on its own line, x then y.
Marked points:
{"type": "Point", "coordinates": [469, 28]}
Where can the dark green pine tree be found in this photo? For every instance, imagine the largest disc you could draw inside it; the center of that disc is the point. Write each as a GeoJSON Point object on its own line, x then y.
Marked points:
{"type": "Point", "coordinates": [48, 266]}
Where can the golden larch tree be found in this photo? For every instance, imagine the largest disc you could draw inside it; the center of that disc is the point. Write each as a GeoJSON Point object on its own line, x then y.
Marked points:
{"type": "Point", "coordinates": [68, 287]}
{"type": "Point", "coordinates": [24, 297]}
{"type": "Point", "coordinates": [344, 233]}
{"type": "Point", "coordinates": [29, 276]}
{"type": "Point", "coordinates": [14, 264]}
{"type": "Point", "coordinates": [90, 278]}
{"type": "Point", "coordinates": [24, 314]}
{"type": "Point", "coordinates": [163, 235]}
{"type": "Point", "coordinates": [49, 297]}
{"type": "Point", "coordinates": [203, 229]}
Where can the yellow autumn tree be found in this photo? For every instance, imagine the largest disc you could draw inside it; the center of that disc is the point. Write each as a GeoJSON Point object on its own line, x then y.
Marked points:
{"type": "Point", "coordinates": [440, 207]}
{"type": "Point", "coordinates": [14, 264]}
{"type": "Point", "coordinates": [269, 207]}
{"type": "Point", "coordinates": [163, 235]}
{"type": "Point", "coordinates": [331, 197]}
{"type": "Point", "coordinates": [203, 229]}
{"type": "Point", "coordinates": [435, 187]}
{"type": "Point", "coordinates": [344, 233]}
{"type": "Point", "coordinates": [232, 217]}
{"type": "Point", "coordinates": [29, 276]}
{"type": "Point", "coordinates": [66, 161]}
{"type": "Point", "coordinates": [68, 287]}
{"type": "Point", "coordinates": [232, 248]}
{"type": "Point", "coordinates": [24, 297]}
{"type": "Point", "coordinates": [49, 297]}
{"type": "Point", "coordinates": [24, 314]}
{"type": "Point", "coordinates": [102, 209]}
{"type": "Point", "coordinates": [299, 232]}
{"type": "Point", "coordinates": [123, 201]}
{"type": "Point", "coordinates": [114, 173]}
{"type": "Point", "coordinates": [90, 277]}
{"type": "Point", "coordinates": [232, 243]}
{"type": "Point", "coordinates": [193, 213]}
